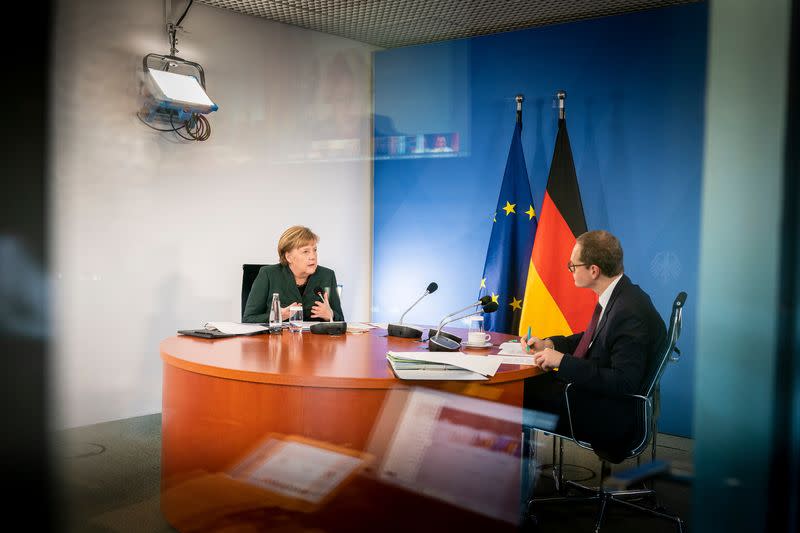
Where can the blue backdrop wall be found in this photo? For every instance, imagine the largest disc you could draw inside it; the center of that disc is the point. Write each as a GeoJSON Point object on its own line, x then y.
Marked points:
{"type": "Point", "coordinates": [635, 102]}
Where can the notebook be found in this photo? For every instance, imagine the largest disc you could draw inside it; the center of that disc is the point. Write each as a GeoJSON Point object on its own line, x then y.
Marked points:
{"type": "Point", "coordinates": [212, 334]}
{"type": "Point", "coordinates": [217, 330]}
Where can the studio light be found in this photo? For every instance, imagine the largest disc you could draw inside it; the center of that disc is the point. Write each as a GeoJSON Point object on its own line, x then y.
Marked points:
{"type": "Point", "coordinates": [173, 92]}
{"type": "Point", "coordinates": [179, 92]}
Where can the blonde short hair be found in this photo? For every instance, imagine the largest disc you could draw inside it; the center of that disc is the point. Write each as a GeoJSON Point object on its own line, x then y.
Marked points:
{"type": "Point", "coordinates": [292, 238]}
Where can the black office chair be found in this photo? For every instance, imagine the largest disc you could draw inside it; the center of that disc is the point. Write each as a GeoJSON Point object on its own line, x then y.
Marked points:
{"type": "Point", "coordinates": [647, 429]}
{"type": "Point", "coordinates": [249, 273]}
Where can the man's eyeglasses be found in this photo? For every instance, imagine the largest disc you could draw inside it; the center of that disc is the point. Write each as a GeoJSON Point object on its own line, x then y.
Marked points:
{"type": "Point", "coordinates": [571, 267]}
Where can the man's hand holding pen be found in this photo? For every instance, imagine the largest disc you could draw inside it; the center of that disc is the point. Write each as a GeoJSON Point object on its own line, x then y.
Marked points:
{"type": "Point", "coordinates": [544, 353]}
{"type": "Point", "coordinates": [535, 344]}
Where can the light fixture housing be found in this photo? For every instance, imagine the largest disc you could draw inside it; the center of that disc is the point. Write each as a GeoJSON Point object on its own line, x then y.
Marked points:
{"type": "Point", "coordinates": [174, 93]}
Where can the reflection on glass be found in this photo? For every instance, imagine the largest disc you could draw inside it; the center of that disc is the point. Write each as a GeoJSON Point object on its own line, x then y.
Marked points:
{"type": "Point", "coordinates": [460, 449]}
{"type": "Point", "coordinates": [296, 318]}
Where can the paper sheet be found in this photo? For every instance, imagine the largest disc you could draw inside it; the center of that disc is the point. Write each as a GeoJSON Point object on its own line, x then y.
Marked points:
{"type": "Point", "coordinates": [235, 328]}
{"type": "Point", "coordinates": [512, 348]}
{"type": "Point", "coordinates": [359, 327]}
{"type": "Point", "coordinates": [440, 375]}
{"type": "Point", "coordinates": [474, 363]}
{"type": "Point", "coordinates": [513, 359]}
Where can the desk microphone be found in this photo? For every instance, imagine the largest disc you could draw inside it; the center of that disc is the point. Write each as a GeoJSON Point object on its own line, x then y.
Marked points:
{"type": "Point", "coordinates": [484, 300]}
{"type": "Point", "coordinates": [410, 332]}
{"type": "Point", "coordinates": [445, 342]}
{"type": "Point", "coordinates": [318, 291]}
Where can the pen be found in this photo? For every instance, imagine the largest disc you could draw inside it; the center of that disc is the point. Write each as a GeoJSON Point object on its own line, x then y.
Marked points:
{"type": "Point", "coordinates": [527, 349]}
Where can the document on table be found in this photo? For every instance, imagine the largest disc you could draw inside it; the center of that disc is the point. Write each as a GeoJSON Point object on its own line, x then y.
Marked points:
{"type": "Point", "coordinates": [235, 328]}
{"type": "Point", "coordinates": [442, 365]}
{"type": "Point", "coordinates": [512, 348]}
{"type": "Point", "coordinates": [514, 359]}
{"type": "Point", "coordinates": [359, 327]}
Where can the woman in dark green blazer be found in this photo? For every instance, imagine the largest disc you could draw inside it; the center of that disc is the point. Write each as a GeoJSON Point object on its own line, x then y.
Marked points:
{"type": "Point", "coordinates": [295, 278]}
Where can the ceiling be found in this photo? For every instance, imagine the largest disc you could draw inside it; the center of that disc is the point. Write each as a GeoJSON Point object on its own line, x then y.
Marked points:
{"type": "Point", "coordinates": [394, 23]}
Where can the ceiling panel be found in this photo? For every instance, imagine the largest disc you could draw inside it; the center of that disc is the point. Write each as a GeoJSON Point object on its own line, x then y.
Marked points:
{"type": "Point", "coordinates": [394, 23]}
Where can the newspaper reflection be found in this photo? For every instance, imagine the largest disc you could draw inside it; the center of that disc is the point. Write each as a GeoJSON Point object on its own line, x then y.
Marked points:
{"type": "Point", "coordinates": [459, 460]}
{"type": "Point", "coordinates": [462, 450]}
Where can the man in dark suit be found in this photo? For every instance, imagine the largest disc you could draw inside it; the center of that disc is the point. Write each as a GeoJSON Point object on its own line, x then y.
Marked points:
{"type": "Point", "coordinates": [610, 359]}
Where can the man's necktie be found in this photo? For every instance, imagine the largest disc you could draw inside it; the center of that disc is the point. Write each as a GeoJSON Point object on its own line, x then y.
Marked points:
{"type": "Point", "coordinates": [583, 345]}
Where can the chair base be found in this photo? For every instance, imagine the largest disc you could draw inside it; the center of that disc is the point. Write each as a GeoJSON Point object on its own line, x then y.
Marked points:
{"type": "Point", "coordinates": [605, 497]}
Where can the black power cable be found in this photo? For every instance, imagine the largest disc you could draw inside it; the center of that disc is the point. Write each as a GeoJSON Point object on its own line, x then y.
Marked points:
{"type": "Point", "coordinates": [197, 128]}
{"type": "Point", "coordinates": [184, 13]}
{"type": "Point", "coordinates": [182, 136]}
{"type": "Point", "coordinates": [153, 127]}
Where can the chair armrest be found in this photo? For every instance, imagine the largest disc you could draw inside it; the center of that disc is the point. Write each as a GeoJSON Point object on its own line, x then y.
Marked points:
{"type": "Point", "coordinates": [580, 443]}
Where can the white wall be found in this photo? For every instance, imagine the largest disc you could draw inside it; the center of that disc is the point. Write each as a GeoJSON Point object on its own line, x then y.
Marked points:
{"type": "Point", "coordinates": [149, 232]}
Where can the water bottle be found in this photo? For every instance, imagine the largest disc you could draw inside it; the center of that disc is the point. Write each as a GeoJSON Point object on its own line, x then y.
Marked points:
{"type": "Point", "coordinates": [275, 313]}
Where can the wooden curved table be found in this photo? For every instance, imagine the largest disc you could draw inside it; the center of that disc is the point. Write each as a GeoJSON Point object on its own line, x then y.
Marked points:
{"type": "Point", "coordinates": [220, 396]}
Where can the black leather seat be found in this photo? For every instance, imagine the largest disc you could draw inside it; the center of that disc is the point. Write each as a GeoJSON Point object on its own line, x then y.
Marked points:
{"type": "Point", "coordinates": [249, 273]}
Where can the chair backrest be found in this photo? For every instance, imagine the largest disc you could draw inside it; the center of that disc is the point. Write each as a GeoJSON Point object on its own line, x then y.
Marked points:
{"type": "Point", "coordinates": [664, 355]}
{"type": "Point", "coordinates": [646, 412]}
{"type": "Point", "coordinates": [249, 273]}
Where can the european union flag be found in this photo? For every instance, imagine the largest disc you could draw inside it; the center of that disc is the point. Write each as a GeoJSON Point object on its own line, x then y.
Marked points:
{"type": "Point", "coordinates": [509, 254]}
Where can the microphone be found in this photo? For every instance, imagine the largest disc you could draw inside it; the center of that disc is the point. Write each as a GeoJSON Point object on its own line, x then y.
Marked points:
{"type": "Point", "coordinates": [491, 307]}
{"type": "Point", "coordinates": [410, 332]}
{"type": "Point", "coordinates": [319, 292]}
{"type": "Point", "coordinates": [446, 342]}
{"type": "Point", "coordinates": [482, 301]}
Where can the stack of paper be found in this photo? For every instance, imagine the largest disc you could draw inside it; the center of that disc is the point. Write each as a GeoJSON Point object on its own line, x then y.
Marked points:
{"type": "Point", "coordinates": [442, 365]}
{"type": "Point", "coordinates": [235, 328]}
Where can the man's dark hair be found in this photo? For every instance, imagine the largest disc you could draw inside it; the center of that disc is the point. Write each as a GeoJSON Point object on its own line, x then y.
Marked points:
{"type": "Point", "coordinates": [602, 249]}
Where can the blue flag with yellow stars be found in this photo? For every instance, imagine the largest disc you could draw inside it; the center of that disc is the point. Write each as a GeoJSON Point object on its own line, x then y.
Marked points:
{"type": "Point", "coordinates": [509, 254]}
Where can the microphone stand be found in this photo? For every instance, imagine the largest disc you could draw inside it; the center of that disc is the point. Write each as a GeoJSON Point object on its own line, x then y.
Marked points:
{"type": "Point", "coordinates": [403, 331]}
{"type": "Point", "coordinates": [470, 306]}
{"type": "Point", "coordinates": [480, 302]}
{"type": "Point", "coordinates": [412, 306]}
{"type": "Point", "coordinates": [446, 343]}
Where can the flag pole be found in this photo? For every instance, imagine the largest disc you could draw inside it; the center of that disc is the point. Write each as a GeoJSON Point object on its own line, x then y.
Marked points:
{"type": "Point", "coordinates": [561, 96]}
{"type": "Point", "coordinates": [519, 98]}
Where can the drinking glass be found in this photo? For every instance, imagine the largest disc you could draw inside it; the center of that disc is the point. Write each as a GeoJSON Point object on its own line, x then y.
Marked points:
{"type": "Point", "coordinates": [476, 335]}
{"type": "Point", "coordinates": [296, 318]}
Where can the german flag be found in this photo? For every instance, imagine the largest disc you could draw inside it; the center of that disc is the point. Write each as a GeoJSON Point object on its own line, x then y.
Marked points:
{"type": "Point", "coordinates": [552, 304]}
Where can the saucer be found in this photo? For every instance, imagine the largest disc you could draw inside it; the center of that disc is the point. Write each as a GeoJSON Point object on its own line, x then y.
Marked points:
{"type": "Point", "coordinates": [486, 344]}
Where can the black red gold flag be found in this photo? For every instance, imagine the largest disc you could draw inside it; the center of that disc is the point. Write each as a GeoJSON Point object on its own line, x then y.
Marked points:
{"type": "Point", "coordinates": [552, 304]}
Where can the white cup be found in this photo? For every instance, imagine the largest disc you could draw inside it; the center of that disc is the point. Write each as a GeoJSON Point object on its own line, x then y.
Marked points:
{"type": "Point", "coordinates": [478, 338]}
